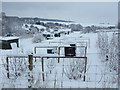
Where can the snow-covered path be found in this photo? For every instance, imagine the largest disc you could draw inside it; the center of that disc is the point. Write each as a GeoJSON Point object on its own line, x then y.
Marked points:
{"type": "Point", "coordinates": [94, 64]}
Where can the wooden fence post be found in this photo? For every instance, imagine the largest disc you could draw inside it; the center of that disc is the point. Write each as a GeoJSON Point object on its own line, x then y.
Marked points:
{"type": "Point", "coordinates": [7, 61]}
{"type": "Point", "coordinates": [85, 68]}
{"type": "Point", "coordinates": [30, 60]}
{"type": "Point", "coordinates": [43, 69]}
{"type": "Point", "coordinates": [30, 66]}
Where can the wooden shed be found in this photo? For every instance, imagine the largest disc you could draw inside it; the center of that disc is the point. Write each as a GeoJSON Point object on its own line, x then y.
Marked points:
{"type": "Point", "coordinates": [5, 42]}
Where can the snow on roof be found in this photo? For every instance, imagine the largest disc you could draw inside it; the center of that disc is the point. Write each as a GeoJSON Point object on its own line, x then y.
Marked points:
{"type": "Point", "coordinates": [65, 29]}
{"type": "Point", "coordinates": [45, 32]}
{"type": "Point", "coordinates": [39, 26]}
{"type": "Point", "coordinates": [8, 38]}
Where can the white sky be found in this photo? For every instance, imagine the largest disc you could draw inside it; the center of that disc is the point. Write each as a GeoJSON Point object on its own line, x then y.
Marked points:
{"type": "Point", "coordinates": [83, 12]}
{"type": "Point", "coordinates": [60, 0]}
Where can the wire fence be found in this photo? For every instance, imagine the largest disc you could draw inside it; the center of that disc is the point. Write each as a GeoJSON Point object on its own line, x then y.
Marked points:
{"type": "Point", "coordinates": [45, 72]}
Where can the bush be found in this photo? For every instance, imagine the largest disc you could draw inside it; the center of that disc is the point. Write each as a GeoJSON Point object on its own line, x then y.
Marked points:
{"type": "Point", "coordinates": [109, 49]}
{"type": "Point", "coordinates": [38, 38]}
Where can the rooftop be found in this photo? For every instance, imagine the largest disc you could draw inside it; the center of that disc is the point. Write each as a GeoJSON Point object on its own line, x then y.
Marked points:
{"type": "Point", "coordinates": [8, 38]}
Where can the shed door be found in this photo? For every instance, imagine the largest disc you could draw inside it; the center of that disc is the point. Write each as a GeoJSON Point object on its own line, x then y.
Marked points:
{"type": "Point", "coordinates": [14, 45]}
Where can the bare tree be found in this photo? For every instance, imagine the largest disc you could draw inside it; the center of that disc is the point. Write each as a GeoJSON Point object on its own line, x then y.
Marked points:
{"type": "Point", "coordinates": [51, 65]}
{"type": "Point", "coordinates": [75, 68]}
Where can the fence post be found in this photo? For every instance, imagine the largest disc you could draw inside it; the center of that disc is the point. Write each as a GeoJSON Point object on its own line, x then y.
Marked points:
{"type": "Point", "coordinates": [43, 69]}
{"type": "Point", "coordinates": [85, 68]}
{"type": "Point", "coordinates": [30, 60]}
{"type": "Point", "coordinates": [85, 50]}
{"type": "Point", "coordinates": [89, 43]}
{"type": "Point", "coordinates": [35, 50]}
{"type": "Point", "coordinates": [30, 66]}
{"type": "Point", "coordinates": [58, 54]}
{"type": "Point", "coordinates": [7, 67]}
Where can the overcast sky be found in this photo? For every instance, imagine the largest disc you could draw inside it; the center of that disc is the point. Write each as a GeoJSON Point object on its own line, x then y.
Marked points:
{"type": "Point", "coordinates": [83, 12]}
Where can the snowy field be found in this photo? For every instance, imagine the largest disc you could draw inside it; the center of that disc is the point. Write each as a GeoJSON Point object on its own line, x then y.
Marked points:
{"type": "Point", "coordinates": [68, 73]}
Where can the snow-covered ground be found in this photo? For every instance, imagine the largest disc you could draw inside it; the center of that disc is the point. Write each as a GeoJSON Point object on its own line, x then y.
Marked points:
{"type": "Point", "coordinates": [97, 74]}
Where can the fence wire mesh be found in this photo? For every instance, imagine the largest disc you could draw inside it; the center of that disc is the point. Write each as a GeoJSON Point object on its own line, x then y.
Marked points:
{"type": "Point", "coordinates": [46, 72]}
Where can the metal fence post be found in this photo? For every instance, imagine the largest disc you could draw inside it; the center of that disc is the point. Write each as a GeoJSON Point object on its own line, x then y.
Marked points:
{"type": "Point", "coordinates": [58, 54]}
{"type": "Point", "coordinates": [85, 51]}
{"type": "Point", "coordinates": [85, 69]}
{"type": "Point", "coordinates": [43, 69]}
{"type": "Point", "coordinates": [7, 67]}
{"type": "Point", "coordinates": [35, 50]}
